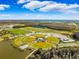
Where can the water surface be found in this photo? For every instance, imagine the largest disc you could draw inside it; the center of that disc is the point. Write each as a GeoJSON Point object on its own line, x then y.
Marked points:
{"type": "Point", "coordinates": [9, 52]}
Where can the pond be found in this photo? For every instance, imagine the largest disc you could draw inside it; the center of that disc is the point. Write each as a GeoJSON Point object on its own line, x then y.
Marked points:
{"type": "Point", "coordinates": [7, 51]}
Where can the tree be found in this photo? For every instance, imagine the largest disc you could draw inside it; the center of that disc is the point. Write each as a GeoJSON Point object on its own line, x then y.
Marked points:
{"type": "Point", "coordinates": [76, 36]}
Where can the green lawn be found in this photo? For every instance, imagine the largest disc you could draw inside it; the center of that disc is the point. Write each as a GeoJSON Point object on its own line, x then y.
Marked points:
{"type": "Point", "coordinates": [18, 31]}
{"type": "Point", "coordinates": [47, 30]}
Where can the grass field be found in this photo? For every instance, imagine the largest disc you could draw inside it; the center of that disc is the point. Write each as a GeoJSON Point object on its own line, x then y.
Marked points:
{"type": "Point", "coordinates": [43, 45]}
{"type": "Point", "coordinates": [31, 29]}
{"type": "Point", "coordinates": [30, 40]}
{"type": "Point", "coordinates": [46, 30]}
{"type": "Point", "coordinates": [18, 31]}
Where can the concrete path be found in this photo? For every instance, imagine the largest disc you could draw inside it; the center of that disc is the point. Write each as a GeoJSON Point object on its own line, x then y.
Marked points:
{"type": "Point", "coordinates": [30, 54]}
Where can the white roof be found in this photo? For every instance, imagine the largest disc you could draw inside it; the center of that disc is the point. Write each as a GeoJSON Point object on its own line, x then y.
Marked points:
{"type": "Point", "coordinates": [23, 47]}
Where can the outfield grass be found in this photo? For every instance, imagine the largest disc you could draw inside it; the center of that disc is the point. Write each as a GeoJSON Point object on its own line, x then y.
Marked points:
{"type": "Point", "coordinates": [44, 45]}
{"type": "Point", "coordinates": [7, 36]}
{"type": "Point", "coordinates": [53, 40]}
{"type": "Point", "coordinates": [22, 40]}
{"type": "Point", "coordinates": [31, 41]}
{"type": "Point", "coordinates": [4, 37]}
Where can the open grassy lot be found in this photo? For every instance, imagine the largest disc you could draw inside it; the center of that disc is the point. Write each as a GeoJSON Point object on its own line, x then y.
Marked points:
{"type": "Point", "coordinates": [18, 31]}
{"type": "Point", "coordinates": [46, 30]}
{"type": "Point", "coordinates": [25, 30]}
{"type": "Point", "coordinates": [36, 29]}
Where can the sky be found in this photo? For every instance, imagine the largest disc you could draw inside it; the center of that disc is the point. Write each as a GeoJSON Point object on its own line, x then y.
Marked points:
{"type": "Point", "coordinates": [39, 9]}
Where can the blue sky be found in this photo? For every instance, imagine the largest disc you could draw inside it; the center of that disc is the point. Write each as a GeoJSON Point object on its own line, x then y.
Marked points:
{"type": "Point", "coordinates": [39, 9]}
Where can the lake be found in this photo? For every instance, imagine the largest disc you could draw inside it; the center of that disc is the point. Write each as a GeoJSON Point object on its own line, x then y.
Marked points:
{"type": "Point", "coordinates": [9, 52]}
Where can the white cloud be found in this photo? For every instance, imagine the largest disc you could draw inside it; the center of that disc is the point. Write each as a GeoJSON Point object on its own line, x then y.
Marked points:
{"type": "Point", "coordinates": [24, 1]}
{"type": "Point", "coordinates": [72, 6]}
{"type": "Point", "coordinates": [3, 6]}
{"type": "Point", "coordinates": [21, 1]}
{"type": "Point", "coordinates": [49, 6]}
{"type": "Point", "coordinates": [58, 7]}
{"type": "Point", "coordinates": [35, 4]}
